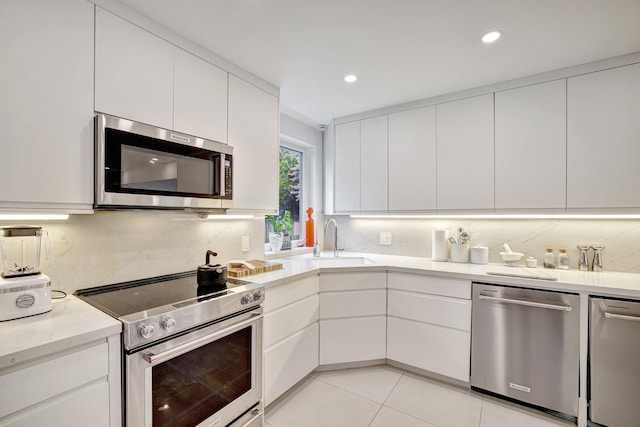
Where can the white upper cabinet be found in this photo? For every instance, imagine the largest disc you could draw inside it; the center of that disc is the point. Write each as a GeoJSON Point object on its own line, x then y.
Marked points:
{"type": "Point", "coordinates": [530, 156]}
{"type": "Point", "coordinates": [254, 135]}
{"type": "Point", "coordinates": [347, 167]}
{"type": "Point", "coordinates": [46, 112]}
{"type": "Point", "coordinates": [373, 161]}
{"type": "Point", "coordinates": [200, 97]}
{"type": "Point", "coordinates": [603, 139]}
{"type": "Point", "coordinates": [134, 72]}
{"type": "Point", "coordinates": [465, 155]}
{"type": "Point", "coordinates": [412, 160]}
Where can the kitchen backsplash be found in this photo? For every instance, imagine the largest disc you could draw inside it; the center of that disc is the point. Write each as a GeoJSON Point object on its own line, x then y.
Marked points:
{"type": "Point", "coordinates": [112, 247]}
{"type": "Point", "coordinates": [412, 237]}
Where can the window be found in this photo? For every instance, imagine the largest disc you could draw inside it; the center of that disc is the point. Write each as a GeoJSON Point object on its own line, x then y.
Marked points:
{"type": "Point", "coordinates": [290, 189]}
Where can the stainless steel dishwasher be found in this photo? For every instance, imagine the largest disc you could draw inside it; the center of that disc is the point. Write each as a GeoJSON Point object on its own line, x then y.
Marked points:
{"type": "Point", "coordinates": [614, 362]}
{"type": "Point", "coordinates": [525, 347]}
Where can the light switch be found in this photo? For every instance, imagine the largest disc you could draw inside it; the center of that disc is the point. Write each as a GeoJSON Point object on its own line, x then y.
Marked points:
{"type": "Point", "coordinates": [246, 244]}
{"type": "Point", "coordinates": [385, 239]}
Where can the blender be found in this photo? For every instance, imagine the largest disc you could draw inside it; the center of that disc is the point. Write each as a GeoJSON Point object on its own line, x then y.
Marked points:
{"type": "Point", "coordinates": [24, 290]}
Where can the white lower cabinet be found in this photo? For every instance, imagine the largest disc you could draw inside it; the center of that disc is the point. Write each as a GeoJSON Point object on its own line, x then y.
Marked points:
{"type": "Point", "coordinates": [352, 317]}
{"type": "Point", "coordinates": [429, 323]}
{"type": "Point", "coordinates": [77, 387]}
{"type": "Point", "coordinates": [290, 334]}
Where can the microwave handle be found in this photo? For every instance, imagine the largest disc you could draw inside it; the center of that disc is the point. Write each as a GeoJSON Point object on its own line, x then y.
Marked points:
{"type": "Point", "coordinates": [223, 184]}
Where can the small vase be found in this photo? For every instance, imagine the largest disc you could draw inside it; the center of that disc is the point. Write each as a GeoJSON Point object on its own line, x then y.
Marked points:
{"type": "Point", "coordinates": [275, 240]}
{"type": "Point", "coordinates": [286, 242]}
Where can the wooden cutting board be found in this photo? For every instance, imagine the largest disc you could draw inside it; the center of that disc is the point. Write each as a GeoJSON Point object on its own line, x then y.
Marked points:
{"type": "Point", "coordinates": [261, 266]}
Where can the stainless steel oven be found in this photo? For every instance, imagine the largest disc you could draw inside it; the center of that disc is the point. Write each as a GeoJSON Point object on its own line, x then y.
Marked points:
{"type": "Point", "coordinates": [205, 378]}
{"type": "Point", "coordinates": [192, 354]}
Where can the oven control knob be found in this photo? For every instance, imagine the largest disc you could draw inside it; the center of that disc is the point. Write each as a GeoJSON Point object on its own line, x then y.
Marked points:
{"type": "Point", "coordinates": [258, 295]}
{"type": "Point", "coordinates": [145, 330]}
{"type": "Point", "coordinates": [247, 299]}
{"type": "Point", "coordinates": [168, 323]}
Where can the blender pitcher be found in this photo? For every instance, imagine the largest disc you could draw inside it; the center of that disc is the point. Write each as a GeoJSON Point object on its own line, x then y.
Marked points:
{"type": "Point", "coordinates": [20, 248]}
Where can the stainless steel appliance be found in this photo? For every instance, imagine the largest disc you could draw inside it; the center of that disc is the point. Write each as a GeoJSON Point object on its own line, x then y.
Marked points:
{"type": "Point", "coordinates": [192, 354]}
{"type": "Point", "coordinates": [524, 347]}
{"type": "Point", "coordinates": [24, 290]}
{"type": "Point", "coordinates": [142, 166]}
{"type": "Point", "coordinates": [614, 362]}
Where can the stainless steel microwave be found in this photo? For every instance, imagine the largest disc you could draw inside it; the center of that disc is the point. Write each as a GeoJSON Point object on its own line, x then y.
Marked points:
{"type": "Point", "coordinates": [142, 166]}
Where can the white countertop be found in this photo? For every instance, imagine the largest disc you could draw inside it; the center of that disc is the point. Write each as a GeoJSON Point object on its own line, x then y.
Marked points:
{"type": "Point", "coordinates": [70, 323]}
{"type": "Point", "coordinates": [625, 285]}
{"type": "Point", "coordinates": [73, 322]}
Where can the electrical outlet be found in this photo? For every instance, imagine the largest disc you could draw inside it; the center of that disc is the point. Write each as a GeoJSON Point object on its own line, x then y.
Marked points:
{"type": "Point", "coordinates": [246, 244]}
{"type": "Point", "coordinates": [385, 239]}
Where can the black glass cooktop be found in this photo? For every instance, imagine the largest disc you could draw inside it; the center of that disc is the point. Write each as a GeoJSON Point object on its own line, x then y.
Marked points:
{"type": "Point", "coordinates": [126, 298]}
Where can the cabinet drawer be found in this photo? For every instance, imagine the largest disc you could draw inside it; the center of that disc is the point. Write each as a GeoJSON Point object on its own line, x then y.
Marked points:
{"type": "Point", "coordinates": [352, 281]}
{"type": "Point", "coordinates": [84, 407]}
{"type": "Point", "coordinates": [289, 362]}
{"type": "Point", "coordinates": [353, 304]}
{"type": "Point", "coordinates": [433, 348]}
{"type": "Point", "coordinates": [352, 340]}
{"type": "Point", "coordinates": [28, 386]}
{"type": "Point", "coordinates": [283, 322]}
{"type": "Point", "coordinates": [286, 293]}
{"type": "Point", "coordinates": [455, 288]}
{"type": "Point", "coordinates": [443, 311]}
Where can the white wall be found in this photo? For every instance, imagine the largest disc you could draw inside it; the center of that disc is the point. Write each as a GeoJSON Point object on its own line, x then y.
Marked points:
{"type": "Point", "coordinates": [299, 133]}
{"type": "Point", "coordinates": [412, 237]}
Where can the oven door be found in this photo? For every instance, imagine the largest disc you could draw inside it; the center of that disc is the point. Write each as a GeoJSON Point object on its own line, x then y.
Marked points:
{"type": "Point", "coordinates": [209, 377]}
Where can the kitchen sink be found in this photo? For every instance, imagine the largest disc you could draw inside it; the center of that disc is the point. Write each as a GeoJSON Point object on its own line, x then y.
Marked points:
{"type": "Point", "coordinates": [341, 261]}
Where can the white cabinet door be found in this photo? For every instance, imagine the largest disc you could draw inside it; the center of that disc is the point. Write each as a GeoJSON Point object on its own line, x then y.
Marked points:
{"type": "Point", "coordinates": [603, 139]}
{"type": "Point", "coordinates": [347, 167]}
{"type": "Point", "coordinates": [412, 160]}
{"type": "Point", "coordinates": [46, 112]}
{"type": "Point", "coordinates": [434, 348]}
{"type": "Point", "coordinates": [289, 362]}
{"type": "Point", "coordinates": [134, 72]}
{"type": "Point", "coordinates": [254, 134]}
{"type": "Point", "coordinates": [199, 97]}
{"type": "Point", "coordinates": [283, 322]}
{"type": "Point", "coordinates": [354, 339]}
{"type": "Point", "coordinates": [374, 164]}
{"type": "Point", "coordinates": [531, 147]}
{"type": "Point", "coordinates": [465, 155]}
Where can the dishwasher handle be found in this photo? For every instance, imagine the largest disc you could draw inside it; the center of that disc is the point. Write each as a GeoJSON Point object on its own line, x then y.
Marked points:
{"type": "Point", "coordinates": [525, 302]}
{"type": "Point", "coordinates": [608, 315]}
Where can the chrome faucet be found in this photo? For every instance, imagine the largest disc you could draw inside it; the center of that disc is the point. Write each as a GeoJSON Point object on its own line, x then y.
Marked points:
{"type": "Point", "coordinates": [335, 234]}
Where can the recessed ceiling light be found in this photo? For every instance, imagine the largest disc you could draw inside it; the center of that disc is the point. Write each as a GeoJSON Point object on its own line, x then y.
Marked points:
{"type": "Point", "coordinates": [491, 36]}
{"type": "Point", "coordinates": [350, 78]}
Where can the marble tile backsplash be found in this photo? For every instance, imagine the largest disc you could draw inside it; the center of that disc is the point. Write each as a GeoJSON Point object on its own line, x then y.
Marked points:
{"type": "Point", "coordinates": [112, 247]}
{"type": "Point", "coordinates": [412, 237]}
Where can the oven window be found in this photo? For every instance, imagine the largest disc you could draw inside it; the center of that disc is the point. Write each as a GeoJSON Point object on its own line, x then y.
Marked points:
{"type": "Point", "coordinates": [190, 388]}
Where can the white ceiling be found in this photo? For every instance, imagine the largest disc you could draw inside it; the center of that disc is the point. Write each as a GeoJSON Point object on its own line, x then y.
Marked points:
{"type": "Point", "coordinates": [402, 50]}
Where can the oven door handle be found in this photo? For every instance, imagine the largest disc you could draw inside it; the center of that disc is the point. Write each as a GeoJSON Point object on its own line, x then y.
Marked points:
{"type": "Point", "coordinates": [154, 358]}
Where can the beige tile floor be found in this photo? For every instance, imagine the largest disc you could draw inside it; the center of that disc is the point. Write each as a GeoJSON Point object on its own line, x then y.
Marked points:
{"type": "Point", "coordinates": [385, 396]}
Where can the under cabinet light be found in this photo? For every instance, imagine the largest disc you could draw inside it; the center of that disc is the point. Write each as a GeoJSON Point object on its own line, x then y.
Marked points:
{"type": "Point", "coordinates": [218, 216]}
{"type": "Point", "coordinates": [34, 217]}
{"type": "Point", "coordinates": [501, 216]}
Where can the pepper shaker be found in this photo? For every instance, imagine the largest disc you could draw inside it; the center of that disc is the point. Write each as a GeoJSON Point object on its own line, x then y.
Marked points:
{"type": "Point", "coordinates": [596, 264]}
{"type": "Point", "coordinates": [583, 260]}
